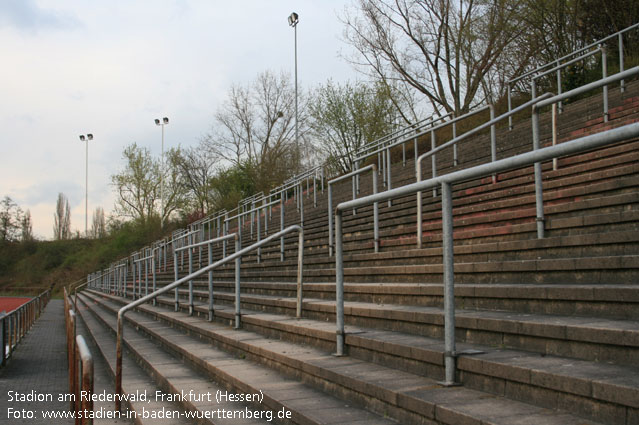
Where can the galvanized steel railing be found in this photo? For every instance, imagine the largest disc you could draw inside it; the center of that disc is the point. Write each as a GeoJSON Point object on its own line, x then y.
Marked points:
{"type": "Point", "coordinates": [237, 257]}
{"type": "Point", "coordinates": [561, 63]}
{"type": "Point", "coordinates": [15, 324]}
{"type": "Point", "coordinates": [372, 167]}
{"type": "Point", "coordinates": [446, 181]}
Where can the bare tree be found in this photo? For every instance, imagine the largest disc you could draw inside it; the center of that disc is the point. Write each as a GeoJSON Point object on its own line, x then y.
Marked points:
{"type": "Point", "coordinates": [26, 227]}
{"type": "Point", "coordinates": [197, 166]}
{"type": "Point", "coordinates": [443, 49]}
{"type": "Point", "coordinates": [347, 116]}
{"type": "Point", "coordinates": [255, 128]}
{"type": "Point", "coordinates": [98, 224]}
{"type": "Point", "coordinates": [62, 218]}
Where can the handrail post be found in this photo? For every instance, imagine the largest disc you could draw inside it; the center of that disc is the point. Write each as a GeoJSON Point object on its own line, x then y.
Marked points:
{"type": "Point", "coordinates": [71, 348]}
{"type": "Point", "coordinates": [375, 213]}
{"type": "Point", "coordinates": [282, 196]}
{"type": "Point", "coordinates": [4, 340]}
{"type": "Point", "coordinates": [539, 198]}
{"type": "Point", "coordinates": [622, 83]}
{"type": "Point", "coordinates": [118, 360]}
{"type": "Point", "coordinates": [339, 285]}
{"type": "Point", "coordinates": [176, 275]}
{"type": "Point", "coordinates": [210, 258]}
{"type": "Point", "coordinates": [418, 172]}
{"type": "Point", "coordinates": [493, 140]}
{"type": "Point", "coordinates": [433, 159]}
{"type": "Point", "coordinates": [238, 262]}
{"type": "Point", "coordinates": [604, 71]}
{"type": "Point", "coordinates": [510, 106]}
{"type": "Point", "coordinates": [449, 293]}
{"type": "Point", "coordinates": [330, 220]}
{"type": "Point", "coordinates": [86, 372]}
{"type": "Point", "coordinates": [300, 272]}
{"type": "Point", "coordinates": [190, 249]}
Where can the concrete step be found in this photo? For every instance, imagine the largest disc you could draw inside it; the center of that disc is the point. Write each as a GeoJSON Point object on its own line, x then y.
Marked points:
{"type": "Point", "coordinates": [134, 381]}
{"type": "Point", "coordinates": [587, 338]}
{"type": "Point", "coordinates": [232, 373]}
{"type": "Point", "coordinates": [408, 397]}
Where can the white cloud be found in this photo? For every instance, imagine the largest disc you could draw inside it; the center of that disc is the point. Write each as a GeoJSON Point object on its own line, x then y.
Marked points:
{"type": "Point", "coordinates": [73, 67]}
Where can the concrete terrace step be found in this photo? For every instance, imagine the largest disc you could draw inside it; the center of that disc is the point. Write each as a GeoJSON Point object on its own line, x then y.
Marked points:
{"type": "Point", "coordinates": [608, 392]}
{"type": "Point", "coordinates": [588, 338]}
{"type": "Point", "coordinates": [308, 406]}
{"type": "Point", "coordinates": [405, 396]}
{"type": "Point", "coordinates": [134, 380]}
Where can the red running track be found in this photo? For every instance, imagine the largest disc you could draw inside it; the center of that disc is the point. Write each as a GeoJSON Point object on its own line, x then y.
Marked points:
{"type": "Point", "coordinates": [8, 304]}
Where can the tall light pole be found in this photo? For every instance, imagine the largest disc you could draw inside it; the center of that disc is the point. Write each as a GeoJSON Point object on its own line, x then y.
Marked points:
{"type": "Point", "coordinates": [162, 123]}
{"type": "Point", "coordinates": [86, 139]}
{"type": "Point", "coordinates": [293, 19]}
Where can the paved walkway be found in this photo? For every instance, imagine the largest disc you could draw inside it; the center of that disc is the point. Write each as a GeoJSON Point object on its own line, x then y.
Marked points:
{"type": "Point", "coordinates": [38, 367]}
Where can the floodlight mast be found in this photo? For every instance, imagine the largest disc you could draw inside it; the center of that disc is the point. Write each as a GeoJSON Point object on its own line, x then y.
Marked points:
{"type": "Point", "coordinates": [293, 20]}
{"type": "Point", "coordinates": [86, 139]}
{"type": "Point", "coordinates": [162, 123]}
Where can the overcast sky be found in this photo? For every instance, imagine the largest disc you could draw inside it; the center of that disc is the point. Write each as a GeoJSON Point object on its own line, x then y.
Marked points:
{"type": "Point", "coordinates": [72, 67]}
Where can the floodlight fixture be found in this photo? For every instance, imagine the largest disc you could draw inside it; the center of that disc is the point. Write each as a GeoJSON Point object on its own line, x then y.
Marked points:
{"type": "Point", "coordinates": [293, 19]}
{"type": "Point", "coordinates": [162, 123]}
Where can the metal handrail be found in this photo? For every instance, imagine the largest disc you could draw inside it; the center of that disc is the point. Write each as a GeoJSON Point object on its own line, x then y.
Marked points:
{"type": "Point", "coordinates": [446, 181]}
{"type": "Point", "coordinates": [372, 167]}
{"type": "Point", "coordinates": [233, 257]}
{"type": "Point", "coordinates": [591, 45]}
{"type": "Point", "coordinates": [493, 149]}
{"type": "Point", "coordinates": [15, 324]}
{"type": "Point", "coordinates": [210, 258]}
{"type": "Point", "coordinates": [559, 65]}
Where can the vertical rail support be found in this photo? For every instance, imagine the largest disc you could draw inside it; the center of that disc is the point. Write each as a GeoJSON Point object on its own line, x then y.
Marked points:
{"type": "Point", "coordinates": [388, 178]}
{"type": "Point", "coordinates": [375, 213]}
{"type": "Point", "coordinates": [4, 339]}
{"type": "Point", "coordinates": [560, 104]}
{"type": "Point", "coordinates": [510, 106]}
{"type": "Point", "coordinates": [190, 249]}
{"type": "Point", "coordinates": [71, 351]}
{"type": "Point", "coordinates": [85, 367]}
{"type": "Point", "coordinates": [339, 285]}
{"type": "Point", "coordinates": [455, 155]}
{"type": "Point", "coordinates": [259, 236]}
{"type": "Point", "coordinates": [300, 272]}
{"type": "Point", "coordinates": [493, 140]}
{"type": "Point", "coordinates": [118, 361]}
{"type": "Point", "coordinates": [622, 83]}
{"type": "Point", "coordinates": [418, 172]}
{"type": "Point", "coordinates": [433, 159]}
{"type": "Point", "coordinates": [355, 191]}
{"type": "Point", "coordinates": [238, 262]}
{"type": "Point", "coordinates": [330, 220]}
{"type": "Point", "coordinates": [175, 276]}
{"type": "Point", "coordinates": [282, 226]}
{"type": "Point", "coordinates": [211, 312]}
{"type": "Point", "coordinates": [154, 277]}
{"type": "Point", "coordinates": [301, 199]}
{"type": "Point", "coordinates": [604, 71]}
{"type": "Point", "coordinates": [449, 291]}
{"type": "Point", "coordinates": [539, 198]}
{"type": "Point", "coordinates": [554, 132]}
{"type": "Point", "coordinates": [315, 189]}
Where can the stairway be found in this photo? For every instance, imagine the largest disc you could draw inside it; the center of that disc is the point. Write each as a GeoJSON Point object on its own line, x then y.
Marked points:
{"type": "Point", "coordinates": [547, 329]}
